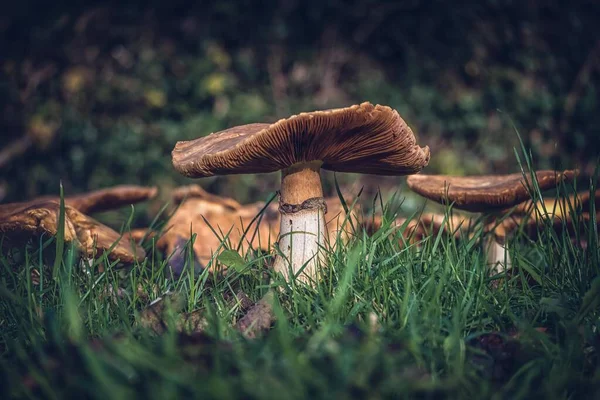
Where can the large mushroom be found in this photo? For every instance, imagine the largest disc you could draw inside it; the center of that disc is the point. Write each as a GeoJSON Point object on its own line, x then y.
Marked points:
{"type": "Point", "coordinates": [202, 213]}
{"type": "Point", "coordinates": [488, 194]}
{"type": "Point", "coordinates": [361, 138]}
{"type": "Point", "coordinates": [20, 221]}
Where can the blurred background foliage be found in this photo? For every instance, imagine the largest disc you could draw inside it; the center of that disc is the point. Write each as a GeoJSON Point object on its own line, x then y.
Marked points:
{"type": "Point", "coordinates": [96, 94]}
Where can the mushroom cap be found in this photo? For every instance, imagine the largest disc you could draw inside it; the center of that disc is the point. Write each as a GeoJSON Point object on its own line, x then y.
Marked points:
{"type": "Point", "coordinates": [199, 211]}
{"type": "Point", "coordinates": [483, 193]}
{"type": "Point", "coordinates": [22, 220]}
{"type": "Point", "coordinates": [557, 211]}
{"type": "Point", "coordinates": [33, 218]}
{"type": "Point", "coordinates": [560, 206]}
{"type": "Point", "coordinates": [106, 199]}
{"type": "Point", "coordinates": [361, 138]}
{"type": "Point", "coordinates": [183, 193]}
{"type": "Point", "coordinates": [531, 224]}
{"type": "Point", "coordinates": [139, 234]}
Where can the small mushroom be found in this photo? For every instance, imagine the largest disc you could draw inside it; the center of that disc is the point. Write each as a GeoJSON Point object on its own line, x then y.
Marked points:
{"type": "Point", "coordinates": [361, 138]}
{"type": "Point", "coordinates": [490, 195]}
{"type": "Point", "coordinates": [20, 221]}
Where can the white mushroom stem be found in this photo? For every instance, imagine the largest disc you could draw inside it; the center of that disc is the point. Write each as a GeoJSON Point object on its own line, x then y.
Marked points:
{"type": "Point", "coordinates": [498, 259]}
{"type": "Point", "coordinates": [301, 235]}
{"type": "Point", "coordinates": [302, 230]}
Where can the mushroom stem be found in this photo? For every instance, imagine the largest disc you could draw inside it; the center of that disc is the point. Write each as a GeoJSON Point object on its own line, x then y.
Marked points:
{"type": "Point", "coordinates": [498, 258]}
{"type": "Point", "coordinates": [301, 182]}
{"type": "Point", "coordinates": [302, 228]}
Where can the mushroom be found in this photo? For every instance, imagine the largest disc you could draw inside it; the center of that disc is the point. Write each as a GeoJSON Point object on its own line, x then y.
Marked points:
{"type": "Point", "coordinates": [361, 138]}
{"type": "Point", "coordinates": [20, 221]}
{"type": "Point", "coordinates": [199, 211]}
{"type": "Point", "coordinates": [557, 207]}
{"type": "Point", "coordinates": [489, 194]}
{"type": "Point", "coordinates": [531, 215]}
{"type": "Point", "coordinates": [107, 199]}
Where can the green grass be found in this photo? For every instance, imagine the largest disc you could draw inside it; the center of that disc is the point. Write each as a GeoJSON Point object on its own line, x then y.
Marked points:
{"type": "Point", "coordinates": [388, 320]}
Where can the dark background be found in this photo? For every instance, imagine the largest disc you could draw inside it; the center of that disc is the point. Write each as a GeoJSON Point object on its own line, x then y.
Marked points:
{"type": "Point", "coordinates": [97, 94]}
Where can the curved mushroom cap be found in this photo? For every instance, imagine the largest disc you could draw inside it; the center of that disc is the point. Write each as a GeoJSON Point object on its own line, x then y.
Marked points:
{"type": "Point", "coordinates": [95, 238]}
{"type": "Point", "coordinates": [200, 213]}
{"type": "Point", "coordinates": [361, 138]}
{"type": "Point", "coordinates": [22, 220]}
{"type": "Point", "coordinates": [532, 224]}
{"type": "Point", "coordinates": [558, 207]}
{"type": "Point", "coordinates": [139, 234]}
{"type": "Point", "coordinates": [106, 199]}
{"type": "Point", "coordinates": [483, 193]}
{"type": "Point", "coordinates": [559, 212]}
{"type": "Point", "coordinates": [33, 218]}
{"type": "Point", "coordinates": [183, 193]}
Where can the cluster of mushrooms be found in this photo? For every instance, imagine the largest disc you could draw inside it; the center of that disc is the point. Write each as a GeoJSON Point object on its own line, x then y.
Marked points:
{"type": "Point", "coordinates": [362, 138]}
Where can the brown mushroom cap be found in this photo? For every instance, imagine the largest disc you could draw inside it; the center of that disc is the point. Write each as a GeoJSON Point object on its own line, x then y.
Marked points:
{"type": "Point", "coordinates": [530, 216]}
{"type": "Point", "coordinates": [361, 138]}
{"type": "Point", "coordinates": [196, 191]}
{"type": "Point", "coordinates": [33, 218]}
{"type": "Point", "coordinates": [139, 234]}
{"type": "Point", "coordinates": [22, 220]}
{"type": "Point", "coordinates": [531, 224]}
{"type": "Point", "coordinates": [560, 206]}
{"type": "Point", "coordinates": [106, 199]}
{"type": "Point", "coordinates": [483, 193]}
{"type": "Point", "coordinates": [224, 215]}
